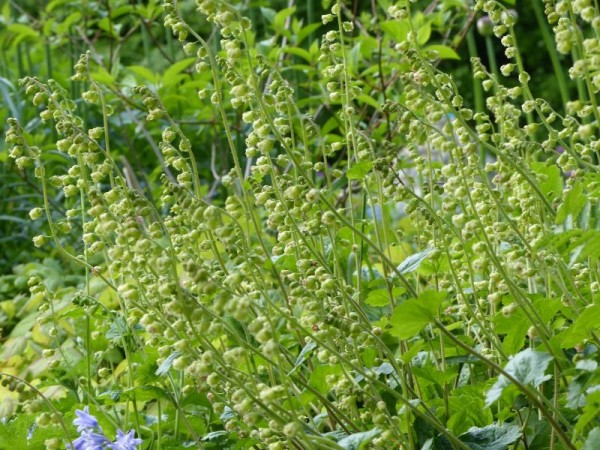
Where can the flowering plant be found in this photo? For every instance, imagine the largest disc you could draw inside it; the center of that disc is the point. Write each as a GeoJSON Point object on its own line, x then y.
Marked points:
{"type": "Point", "coordinates": [366, 250]}
{"type": "Point", "coordinates": [91, 435]}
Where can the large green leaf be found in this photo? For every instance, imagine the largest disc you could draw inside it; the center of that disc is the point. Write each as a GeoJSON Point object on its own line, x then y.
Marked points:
{"type": "Point", "coordinates": [491, 437]}
{"type": "Point", "coordinates": [396, 30]}
{"type": "Point", "coordinates": [527, 367]}
{"type": "Point", "coordinates": [413, 262]}
{"type": "Point", "coordinates": [281, 17]}
{"type": "Point", "coordinates": [593, 440]}
{"type": "Point", "coordinates": [550, 179]}
{"type": "Point", "coordinates": [169, 77]}
{"type": "Point", "coordinates": [359, 170]}
{"type": "Point", "coordinates": [410, 317]}
{"type": "Point", "coordinates": [588, 321]}
{"type": "Point", "coordinates": [358, 441]}
{"type": "Point", "coordinates": [443, 51]}
{"type": "Point", "coordinates": [381, 297]}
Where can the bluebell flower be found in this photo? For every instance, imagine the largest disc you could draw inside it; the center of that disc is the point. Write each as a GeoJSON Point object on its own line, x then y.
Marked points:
{"type": "Point", "coordinates": [91, 435]}
{"type": "Point", "coordinates": [125, 441]}
{"type": "Point", "coordinates": [85, 420]}
{"type": "Point", "coordinates": [91, 441]}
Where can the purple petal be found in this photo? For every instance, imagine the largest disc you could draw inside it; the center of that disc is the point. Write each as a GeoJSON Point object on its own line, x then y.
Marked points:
{"type": "Point", "coordinates": [90, 441]}
{"type": "Point", "coordinates": [125, 441]}
{"type": "Point", "coordinates": [85, 421]}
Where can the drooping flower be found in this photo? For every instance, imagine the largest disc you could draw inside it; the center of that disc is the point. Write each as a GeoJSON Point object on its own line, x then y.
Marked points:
{"type": "Point", "coordinates": [125, 441]}
{"type": "Point", "coordinates": [91, 435]}
{"type": "Point", "coordinates": [91, 441]}
{"type": "Point", "coordinates": [85, 421]}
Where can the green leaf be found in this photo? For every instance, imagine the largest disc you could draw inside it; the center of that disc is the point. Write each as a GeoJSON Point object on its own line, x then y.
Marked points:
{"type": "Point", "coordinates": [491, 437]}
{"type": "Point", "coordinates": [590, 245]}
{"type": "Point", "coordinates": [577, 243]}
{"type": "Point", "coordinates": [413, 262]}
{"type": "Point", "coordinates": [22, 30]}
{"type": "Point", "coordinates": [103, 76]}
{"type": "Point", "coordinates": [215, 436]}
{"type": "Point", "coordinates": [22, 433]}
{"type": "Point", "coordinates": [121, 11]}
{"type": "Point", "coordinates": [167, 363]}
{"type": "Point", "coordinates": [307, 350]}
{"type": "Point", "coordinates": [170, 75]}
{"type": "Point", "coordinates": [358, 441]}
{"type": "Point", "coordinates": [593, 440]}
{"type": "Point", "coordinates": [410, 317]}
{"type": "Point", "coordinates": [306, 31]}
{"type": "Point", "coordinates": [146, 393]}
{"type": "Point", "coordinates": [381, 297]}
{"type": "Point", "coordinates": [424, 33]}
{"type": "Point", "coordinates": [318, 378]}
{"type": "Point", "coordinates": [24, 326]}
{"type": "Point", "coordinates": [143, 72]}
{"type": "Point", "coordinates": [367, 99]}
{"type": "Point", "coordinates": [359, 170]}
{"type": "Point", "coordinates": [590, 411]}
{"type": "Point", "coordinates": [353, 58]}
{"type": "Point", "coordinates": [318, 381]}
{"type": "Point", "coordinates": [397, 30]}
{"type": "Point", "coordinates": [6, 89]}
{"type": "Point", "coordinates": [281, 16]}
{"type": "Point", "coordinates": [527, 367]}
{"type": "Point", "coordinates": [384, 369]}
{"type": "Point", "coordinates": [576, 394]}
{"type": "Point", "coordinates": [268, 13]}
{"type": "Point", "coordinates": [550, 179]}
{"type": "Point", "coordinates": [65, 25]}
{"type": "Point", "coordinates": [443, 51]}
{"type": "Point", "coordinates": [468, 410]}
{"type": "Point", "coordinates": [588, 321]}
{"type": "Point", "coordinates": [118, 330]}
{"type": "Point", "coordinates": [297, 51]}
{"type": "Point", "coordinates": [515, 329]}
{"type": "Point", "coordinates": [283, 262]}
{"type": "Point", "coordinates": [572, 204]}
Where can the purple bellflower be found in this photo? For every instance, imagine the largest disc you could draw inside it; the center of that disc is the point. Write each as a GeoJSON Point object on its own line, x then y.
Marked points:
{"type": "Point", "coordinates": [85, 420]}
{"type": "Point", "coordinates": [91, 435]}
{"type": "Point", "coordinates": [125, 441]}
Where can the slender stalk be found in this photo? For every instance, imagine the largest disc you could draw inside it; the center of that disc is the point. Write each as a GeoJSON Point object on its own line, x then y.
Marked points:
{"type": "Point", "coordinates": [552, 53]}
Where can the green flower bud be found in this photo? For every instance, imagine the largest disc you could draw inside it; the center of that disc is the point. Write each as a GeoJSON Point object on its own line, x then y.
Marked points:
{"type": "Point", "coordinates": [36, 213]}
{"type": "Point", "coordinates": [485, 26]}
{"type": "Point", "coordinates": [40, 240]}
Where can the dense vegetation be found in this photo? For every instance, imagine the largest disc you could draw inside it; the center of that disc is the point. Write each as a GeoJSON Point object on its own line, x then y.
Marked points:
{"type": "Point", "coordinates": [273, 225]}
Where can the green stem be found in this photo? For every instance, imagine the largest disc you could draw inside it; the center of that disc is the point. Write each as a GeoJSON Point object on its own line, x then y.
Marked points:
{"type": "Point", "coordinates": [551, 48]}
{"type": "Point", "coordinates": [491, 53]}
{"type": "Point", "coordinates": [477, 87]}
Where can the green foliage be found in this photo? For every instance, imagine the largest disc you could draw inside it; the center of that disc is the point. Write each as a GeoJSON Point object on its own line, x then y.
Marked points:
{"type": "Point", "coordinates": [358, 441]}
{"type": "Point", "coordinates": [526, 367]}
{"type": "Point", "coordinates": [491, 437]}
{"type": "Point", "coordinates": [286, 226]}
{"type": "Point", "coordinates": [410, 317]}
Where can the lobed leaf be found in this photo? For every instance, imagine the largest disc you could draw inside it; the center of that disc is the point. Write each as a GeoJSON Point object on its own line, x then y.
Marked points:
{"type": "Point", "coordinates": [527, 367]}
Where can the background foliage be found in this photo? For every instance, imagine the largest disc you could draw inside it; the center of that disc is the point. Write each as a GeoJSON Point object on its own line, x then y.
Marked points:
{"type": "Point", "coordinates": [279, 225]}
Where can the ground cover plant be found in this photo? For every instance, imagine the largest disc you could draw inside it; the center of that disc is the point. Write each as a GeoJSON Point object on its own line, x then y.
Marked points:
{"type": "Point", "coordinates": [339, 252]}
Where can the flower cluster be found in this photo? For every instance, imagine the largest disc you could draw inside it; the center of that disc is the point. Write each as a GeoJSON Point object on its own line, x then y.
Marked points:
{"type": "Point", "coordinates": [292, 284]}
{"type": "Point", "coordinates": [91, 435]}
